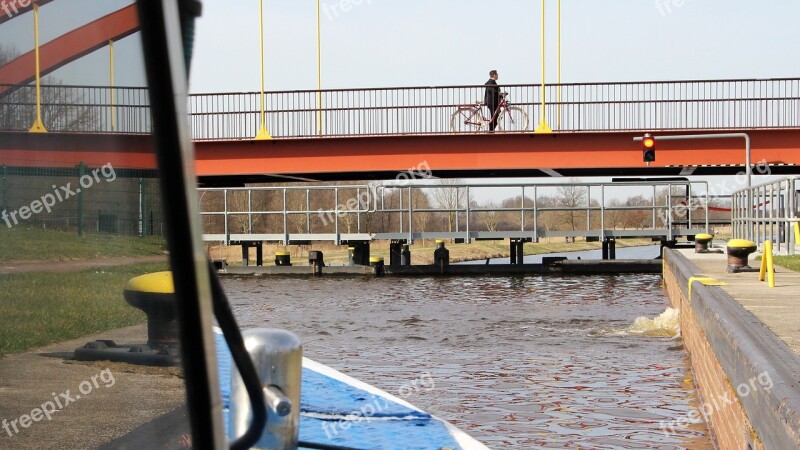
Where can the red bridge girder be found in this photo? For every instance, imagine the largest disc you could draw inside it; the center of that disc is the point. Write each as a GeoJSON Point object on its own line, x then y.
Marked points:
{"type": "Point", "coordinates": [561, 154]}
{"type": "Point", "coordinates": [565, 154]}
{"type": "Point", "coordinates": [71, 46]}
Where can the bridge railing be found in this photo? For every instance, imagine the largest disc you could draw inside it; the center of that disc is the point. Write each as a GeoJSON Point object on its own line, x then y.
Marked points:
{"type": "Point", "coordinates": [634, 106]}
{"type": "Point", "coordinates": [630, 106]}
{"type": "Point", "coordinates": [769, 212]}
{"type": "Point", "coordinates": [454, 211]}
{"type": "Point", "coordinates": [76, 109]}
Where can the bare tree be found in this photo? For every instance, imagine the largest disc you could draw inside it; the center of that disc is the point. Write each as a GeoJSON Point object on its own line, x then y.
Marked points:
{"type": "Point", "coordinates": [615, 217]}
{"type": "Point", "coordinates": [490, 219]}
{"type": "Point", "coordinates": [62, 108]}
{"type": "Point", "coordinates": [572, 197]}
{"type": "Point", "coordinates": [548, 220]}
{"type": "Point", "coordinates": [449, 197]}
{"type": "Point", "coordinates": [641, 217]}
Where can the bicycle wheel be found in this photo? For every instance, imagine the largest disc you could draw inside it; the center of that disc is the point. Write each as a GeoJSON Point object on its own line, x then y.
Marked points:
{"type": "Point", "coordinates": [513, 119]}
{"type": "Point", "coordinates": [466, 120]}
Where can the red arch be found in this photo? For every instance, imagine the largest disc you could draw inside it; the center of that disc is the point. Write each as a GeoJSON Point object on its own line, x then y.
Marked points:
{"type": "Point", "coordinates": [71, 46]}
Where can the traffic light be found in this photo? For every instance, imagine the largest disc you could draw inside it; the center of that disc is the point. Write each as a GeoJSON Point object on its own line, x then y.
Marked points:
{"type": "Point", "coordinates": [649, 148]}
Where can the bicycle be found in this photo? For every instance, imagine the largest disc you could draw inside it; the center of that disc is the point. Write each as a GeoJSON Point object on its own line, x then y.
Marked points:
{"type": "Point", "coordinates": [469, 118]}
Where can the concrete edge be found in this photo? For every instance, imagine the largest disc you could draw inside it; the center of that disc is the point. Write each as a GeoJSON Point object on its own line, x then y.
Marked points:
{"type": "Point", "coordinates": [746, 349]}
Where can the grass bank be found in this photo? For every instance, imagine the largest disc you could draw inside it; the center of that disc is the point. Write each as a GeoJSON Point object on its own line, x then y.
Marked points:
{"type": "Point", "coordinates": [37, 309]}
{"type": "Point", "coordinates": [20, 244]}
{"type": "Point", "coordinates": [790, 262]}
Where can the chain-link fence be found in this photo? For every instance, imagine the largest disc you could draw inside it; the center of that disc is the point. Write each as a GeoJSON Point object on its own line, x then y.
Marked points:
{"type": "Point", "coordinates": [82, 199]}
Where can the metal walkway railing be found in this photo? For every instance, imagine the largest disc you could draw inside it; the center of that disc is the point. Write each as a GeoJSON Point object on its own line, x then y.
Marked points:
{"type": "Point", "coordinates": [631, 106]}
{"type": "Point", "coordinates": [402, 212]}
{"type": "Point", "coordinates": [768, 212]}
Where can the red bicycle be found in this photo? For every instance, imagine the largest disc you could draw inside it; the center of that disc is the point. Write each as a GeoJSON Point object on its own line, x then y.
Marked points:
{"type": "Point", "coordinates": [469, 118]}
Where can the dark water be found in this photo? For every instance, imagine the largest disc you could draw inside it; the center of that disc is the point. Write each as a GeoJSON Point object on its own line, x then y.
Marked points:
{"type": "Point", "coordinates": [518, 362]}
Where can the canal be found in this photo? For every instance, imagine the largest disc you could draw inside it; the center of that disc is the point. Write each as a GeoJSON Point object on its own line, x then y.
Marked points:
{"type": "Point", "coordinates": [518, 362]}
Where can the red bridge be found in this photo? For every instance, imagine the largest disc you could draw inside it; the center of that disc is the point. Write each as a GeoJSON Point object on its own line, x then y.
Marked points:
{"type": "Point", "coordinates": [377, 133]}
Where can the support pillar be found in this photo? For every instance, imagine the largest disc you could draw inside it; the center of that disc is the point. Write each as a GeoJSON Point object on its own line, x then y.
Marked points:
{"type": "Point", "coordinates": [317, 261]}
{"type": "Point", "coordinates": [361, 253]}
{"type": "Point", "coordinates": [609, 248]}
{"type": "Point", "coordinates": [405, 256]}
{"type": "Point", "coordinates": [441, 257]}
{"type": "Point", "coordinates": [246, 245]}
{"type": "Point", "coordinates": [395, 251]}
{"type": "Point", "coordinates": [517, 255]}
{"type": "Point", "coordinates": [245, 254]}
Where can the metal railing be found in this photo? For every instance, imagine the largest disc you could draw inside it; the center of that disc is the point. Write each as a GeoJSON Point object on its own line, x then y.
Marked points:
{"type": "Point", "coordinates": [448, 211]}
{"type": "Point", "coordinates": [630, 106]}
{"type": "Point", "coordinates": [635, 106]}
{"type": "Point", "coordinates": [77, 109]}
{"type": "Point", "coordinates": [768, 212]}
{"type": "Point", "coordinates": [667, 214]}
{"type": "Point", "coordinates": [285, 214]}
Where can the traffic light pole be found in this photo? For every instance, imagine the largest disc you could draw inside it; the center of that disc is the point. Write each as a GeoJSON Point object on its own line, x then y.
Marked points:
{"type": "Point", "coordinates": [748, 167]}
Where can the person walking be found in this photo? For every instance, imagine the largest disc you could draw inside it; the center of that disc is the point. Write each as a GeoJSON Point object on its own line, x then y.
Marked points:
{"type": "Point", "coordinates": [492, 98]}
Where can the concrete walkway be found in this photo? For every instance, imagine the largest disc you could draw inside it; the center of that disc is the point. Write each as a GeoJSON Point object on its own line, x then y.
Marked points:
{"type": "Point", "coordinates": [100, 401]}
{"type": "Point", "coordinates": [778, 308]}
{"type": "Point", "coordinates": [74, 265]}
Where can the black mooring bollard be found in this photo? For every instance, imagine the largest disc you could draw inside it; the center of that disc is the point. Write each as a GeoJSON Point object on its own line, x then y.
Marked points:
{"type": "Point", "coordinates": [405, 256]}
{"type": "Point", "coordinates": [317, 261]}
{"type": "Point", "coordinates": [283, 259]}
{"type": "Point", "coordinates": [441, 256]}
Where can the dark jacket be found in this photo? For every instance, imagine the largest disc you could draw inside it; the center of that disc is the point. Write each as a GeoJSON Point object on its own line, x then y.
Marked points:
{"type": "Point", "coordinates": [492, 96]}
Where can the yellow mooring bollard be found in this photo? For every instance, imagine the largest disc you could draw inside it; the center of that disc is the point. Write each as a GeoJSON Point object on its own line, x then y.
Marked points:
{"type": "Point", "coordinates": [797, 233]}
{"type": "Point", "coordinates": [767, 266]}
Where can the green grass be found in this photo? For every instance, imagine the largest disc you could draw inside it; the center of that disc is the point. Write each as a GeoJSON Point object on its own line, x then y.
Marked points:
{"type": "Point", "coordinates": [790, 262]}
{"type": "Point", "coordinates": [37, 309]}
{"type": "Point", "coordinates": [20, 244]}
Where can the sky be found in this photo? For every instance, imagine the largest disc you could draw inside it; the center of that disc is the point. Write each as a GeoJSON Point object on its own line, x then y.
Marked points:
{"type": "Point", "coordinates": [382, 43]}
{"type": "Point", "coordinates": [387, 43]}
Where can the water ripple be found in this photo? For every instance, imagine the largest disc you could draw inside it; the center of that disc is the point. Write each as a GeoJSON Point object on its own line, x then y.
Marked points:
{"type": "Point", "coordinates": [518, 362]}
